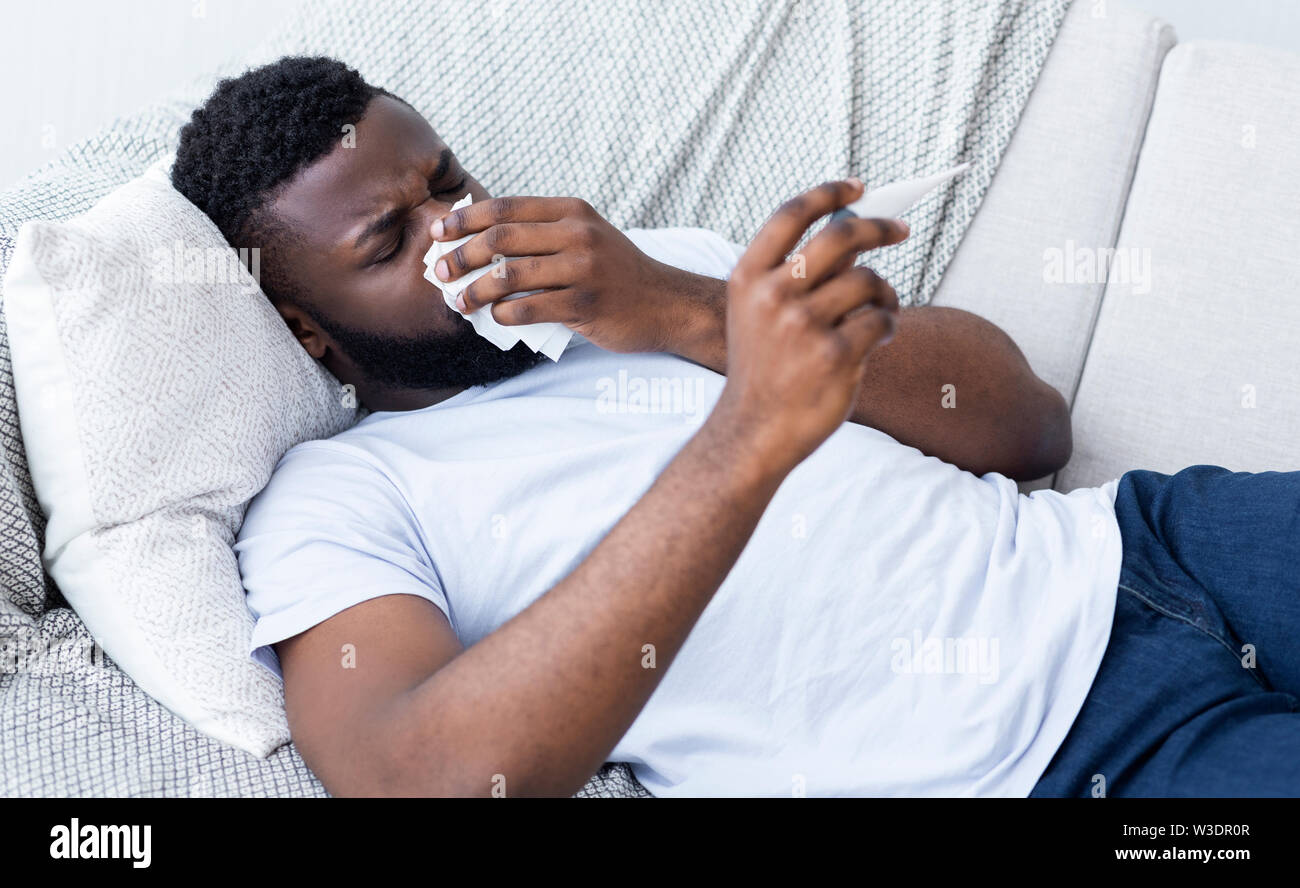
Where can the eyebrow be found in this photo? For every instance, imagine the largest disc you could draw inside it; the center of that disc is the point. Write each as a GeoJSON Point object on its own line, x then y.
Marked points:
{"type": "Point", "coordinates": [387, 220]}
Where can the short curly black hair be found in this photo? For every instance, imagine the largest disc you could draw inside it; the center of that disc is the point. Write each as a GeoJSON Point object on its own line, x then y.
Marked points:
{"type": "Point", "coordinates": [253, 135]}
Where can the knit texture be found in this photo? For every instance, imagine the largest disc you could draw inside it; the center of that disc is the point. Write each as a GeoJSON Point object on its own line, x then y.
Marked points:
{"type": "Point", "coordinates": [670, 113]}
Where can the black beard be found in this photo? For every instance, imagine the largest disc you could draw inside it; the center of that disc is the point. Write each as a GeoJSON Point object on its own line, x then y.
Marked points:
{"type": "Point", "coordinates": [433, 361]}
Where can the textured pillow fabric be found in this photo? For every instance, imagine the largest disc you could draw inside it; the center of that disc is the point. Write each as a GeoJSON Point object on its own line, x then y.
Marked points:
{"type": "Point", "coordinates": [156, 390]}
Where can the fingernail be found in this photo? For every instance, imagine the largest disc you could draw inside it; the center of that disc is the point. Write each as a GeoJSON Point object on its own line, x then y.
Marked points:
{"type": "Point", "coordinates": [854, 180]}
{"type": "Point", "coordinates": [441, 270]}
{"type": "Point", "coordinates": [460, 302]}
{"type": "Point", "coordinates": [907, 229]}
{"type": "Point", "coordinates": [437, 228]}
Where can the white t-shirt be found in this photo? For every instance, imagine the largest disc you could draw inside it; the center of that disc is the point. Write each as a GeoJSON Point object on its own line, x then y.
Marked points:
{"type": "Point", "coordinates": [895, 626]}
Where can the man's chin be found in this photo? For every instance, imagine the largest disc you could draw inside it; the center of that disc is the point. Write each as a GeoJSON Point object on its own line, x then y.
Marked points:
{"type": "Point", "coordinates": [433, 361]}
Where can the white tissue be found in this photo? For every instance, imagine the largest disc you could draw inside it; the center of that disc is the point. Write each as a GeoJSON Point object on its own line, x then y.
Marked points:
{"type": "Point", "coordinates": [548, 338]}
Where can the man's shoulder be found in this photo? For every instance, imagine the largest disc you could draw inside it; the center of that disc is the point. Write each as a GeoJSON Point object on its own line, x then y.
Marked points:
{"type": "Point", "coordinates": [314, 478]}
{"type": "Point", "coordinates": [340, 452]}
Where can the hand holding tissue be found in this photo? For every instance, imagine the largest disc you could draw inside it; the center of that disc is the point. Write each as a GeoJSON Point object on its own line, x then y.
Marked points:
{"type": "Point", "coordinates": [549, 338]}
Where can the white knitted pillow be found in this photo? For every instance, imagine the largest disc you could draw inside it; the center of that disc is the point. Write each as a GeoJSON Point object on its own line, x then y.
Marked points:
{"type": "Point", "coordinates": [157, 388]}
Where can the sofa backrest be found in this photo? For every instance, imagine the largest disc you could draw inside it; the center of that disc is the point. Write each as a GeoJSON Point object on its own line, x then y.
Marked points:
{"type": "Point", "coordinates": [1196, 353]}
{"type": "Point", "coordinates": [1062, 186]}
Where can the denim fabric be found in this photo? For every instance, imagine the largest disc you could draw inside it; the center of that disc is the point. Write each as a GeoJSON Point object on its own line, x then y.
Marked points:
{"type": "Point", "coordinates": [1211, 565]}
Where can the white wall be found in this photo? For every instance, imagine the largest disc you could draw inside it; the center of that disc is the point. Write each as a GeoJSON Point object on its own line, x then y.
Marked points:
{"type": "Point", "coordinates": [68, 67]}
{"type": "Point", "coordinates": [1269, 22]}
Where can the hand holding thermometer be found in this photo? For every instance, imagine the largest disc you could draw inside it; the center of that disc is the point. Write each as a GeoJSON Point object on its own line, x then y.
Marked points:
{"type": "Point", "coordinates": [891, 201]}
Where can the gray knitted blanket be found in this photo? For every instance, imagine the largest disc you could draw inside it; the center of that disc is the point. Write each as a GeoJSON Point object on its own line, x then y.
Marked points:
{"type": "Point", "coordinates": [677, 112]}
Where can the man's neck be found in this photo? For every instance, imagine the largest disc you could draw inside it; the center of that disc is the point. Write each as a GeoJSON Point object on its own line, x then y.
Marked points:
{"type": "Point", "coordinates": [377, 398]}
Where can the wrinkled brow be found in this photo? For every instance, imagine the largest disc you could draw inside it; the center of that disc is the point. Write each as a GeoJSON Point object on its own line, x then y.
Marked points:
{"type": "Point", "coordinates": [389, 218]}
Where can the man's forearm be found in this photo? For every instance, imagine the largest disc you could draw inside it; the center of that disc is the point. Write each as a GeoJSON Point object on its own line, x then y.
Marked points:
{"type": "Point", "coordinates": [544, 699]}
{"type": "Point", "coordinates": [951, 384]}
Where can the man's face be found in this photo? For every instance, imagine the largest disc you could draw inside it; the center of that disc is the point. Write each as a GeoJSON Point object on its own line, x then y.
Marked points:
{"type": "Point", "coordinates": [362, 215]}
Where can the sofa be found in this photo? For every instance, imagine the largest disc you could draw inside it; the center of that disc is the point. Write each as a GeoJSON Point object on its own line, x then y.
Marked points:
{"type": "Point", "coordinates": [1183, 158]}
{"type": "Point", "coordinates": [1137, 241]}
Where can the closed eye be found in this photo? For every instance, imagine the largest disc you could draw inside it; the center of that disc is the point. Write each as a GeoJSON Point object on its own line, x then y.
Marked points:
{"type": "Point", "coordinates": [451, 189]}
{"type": "Point", "coordinates": [396, 249]}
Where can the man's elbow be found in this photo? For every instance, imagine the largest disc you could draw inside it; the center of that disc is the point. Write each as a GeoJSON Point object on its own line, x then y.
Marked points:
{"type": "Point", "coordinates": [1047, 440]}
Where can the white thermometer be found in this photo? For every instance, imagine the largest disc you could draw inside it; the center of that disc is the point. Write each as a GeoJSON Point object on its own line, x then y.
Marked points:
{"type": "Point", "coordinates": [891, 201]}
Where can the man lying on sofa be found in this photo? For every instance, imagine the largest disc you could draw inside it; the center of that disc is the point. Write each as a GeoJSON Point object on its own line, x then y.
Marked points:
{"type": "Point", "coordinates": [669, 548]}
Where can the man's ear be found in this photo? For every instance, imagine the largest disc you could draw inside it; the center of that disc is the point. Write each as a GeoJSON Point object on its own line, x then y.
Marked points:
{"type": "Point", "coordinates": [303, 327]}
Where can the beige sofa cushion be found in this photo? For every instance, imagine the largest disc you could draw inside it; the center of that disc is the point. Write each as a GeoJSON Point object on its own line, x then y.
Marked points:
{"type": "Point", "coordinates": [1205, 367]}
{"type": "Point", "coordinates": [1064, 177]}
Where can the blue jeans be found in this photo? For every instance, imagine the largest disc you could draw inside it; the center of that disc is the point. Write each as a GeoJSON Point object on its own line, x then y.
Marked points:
{"type": "Point", "coordinates": [1198, 693]}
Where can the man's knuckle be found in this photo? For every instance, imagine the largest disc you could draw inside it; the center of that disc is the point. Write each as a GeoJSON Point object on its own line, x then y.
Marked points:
{"type": "Point", "coordinates": [774, 288]}
{"type": "Point", "coordinates": [890, 323]}
{"type": "Point", "coordinates": [765, 293]}
{"type": "Point", "coordinates": [456, 262]}
{"type": "Point", "coordinates": [503, 208]}
{"type": "Point", "coordinates": [587, 236]}
{"type": "Point", "coordinates": [829, 190]}
{"type": "Point", "coordinates": [795, 317]}
{"type": "Point", "coordinates": [888, 295]}
{"type": "Point", "coordinates": [833, 349]}
{"type": "Point", "coordinates": [795, 206]}
{"type": "Point", "coordinates": [878, 323]}
{"type": "Point", "coordinates": [843, 231]}
{"type": "Point", "coordinates": [880, 290]}
{"type": "Point", "coordinates": [875, 232]}
{"type": "Point", "coordinates": [495, 238]}
{"type": "Point", "coordinates": [867, 278]}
